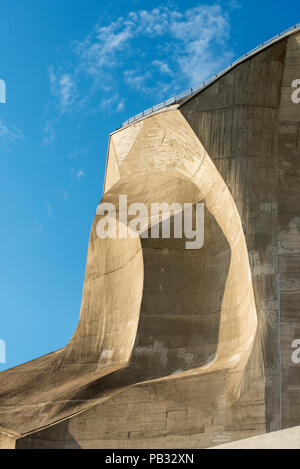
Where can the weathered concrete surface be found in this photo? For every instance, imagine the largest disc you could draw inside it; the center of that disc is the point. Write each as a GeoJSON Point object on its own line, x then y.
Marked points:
{"type": "Point", "coordinates": [262, 171]}
{"type": "Point", "coordinates": [147, 310]}
{"type": "Point", "coordinates": [237, 120]}
{"type": "Point", "coordinates": [7, 440]}
{"type": "Point", "coordinates": [284, 439]}
{"type": "Point", "coordinates": [151, 308]}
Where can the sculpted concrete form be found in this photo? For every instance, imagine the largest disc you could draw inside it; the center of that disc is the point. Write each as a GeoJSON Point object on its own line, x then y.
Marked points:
{"type": "Point", "coordinates": [178, 347]}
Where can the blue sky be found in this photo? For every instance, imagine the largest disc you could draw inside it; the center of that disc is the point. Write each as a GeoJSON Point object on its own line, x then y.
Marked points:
{"type": "Point", "coordinates": [74, 71]}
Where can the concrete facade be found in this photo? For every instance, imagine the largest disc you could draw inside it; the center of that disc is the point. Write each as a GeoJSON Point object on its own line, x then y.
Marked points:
{"type": "Point", "coordinates": [179, 348]}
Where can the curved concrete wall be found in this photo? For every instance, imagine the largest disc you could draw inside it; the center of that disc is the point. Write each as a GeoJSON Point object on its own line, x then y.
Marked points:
{"type": "Point", "coordinates": [159, 309]}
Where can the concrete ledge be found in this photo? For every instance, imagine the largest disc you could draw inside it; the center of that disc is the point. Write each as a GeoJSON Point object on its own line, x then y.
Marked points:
{"type": "Point", "coordinates": [283, 439]}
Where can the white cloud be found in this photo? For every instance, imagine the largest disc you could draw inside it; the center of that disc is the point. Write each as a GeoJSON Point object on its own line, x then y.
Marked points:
{"type": "Point", "coordinates": [201, 30]}
{"type": "Point", "coordinates": [10, 138]}
{"type": "Point", "coordinates": [49, 210]}
{"type": "Point", "coordinates": [113, 103]}
{"type": "Point", "coordinates": [37, 226]}
{"type": "Point", "coordinates": [137, 80]}
{"type": "Point", "coordinates": [156, 51]}
{"type": "Point", "coordinates": [64, 194]}
{"type": "Point", "coordinates": [66, 91]}
{"type": "Point", "coordinates": [49, 131]}
{"type": "Point", "coordinates": [99, 49]}
{"type": "Point", "coordinates": [120, 105]}
{"type": "Point", "coordinates": [235, 4]}
{"type": "Point", "coordinates": [153, 23]}
{"type": "Point", "coordinates": [80, 152]}
{"type": "Point", "coordinates": [63, 88]}
{"type": "Point", "coordinates": [80, 174]}
{"type": "Point", "coordinates": [194, 47]}
{"type": "Point", "coordinates": [163, 67]}
{"type": "Point", "coordinates": [9, 134]}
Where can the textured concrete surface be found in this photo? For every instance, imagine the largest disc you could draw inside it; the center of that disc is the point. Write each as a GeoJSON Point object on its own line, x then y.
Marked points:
{"type": "Point", "coordinates": [148, 302]}
{"type": "Point", "coordinates": [183, 348]}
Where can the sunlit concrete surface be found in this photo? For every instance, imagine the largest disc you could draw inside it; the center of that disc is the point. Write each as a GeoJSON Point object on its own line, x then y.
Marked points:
{"type": "Point", "coordinates": [180, 348]}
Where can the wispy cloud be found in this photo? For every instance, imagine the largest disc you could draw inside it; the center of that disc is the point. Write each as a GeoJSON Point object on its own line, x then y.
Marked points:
{"type": "Point", "coordinates": [138, 80]}
{"type": "Point", "coordinates": [10, 136]}
{"type": "Point", "coordinates": [63, 88]}
{"type": "Point", "coordinates": [49, 210]}
{"type": "Point", "coordinates": [235, 4]}
{"type": "Point", "coordinates": [163, 67]}
{"type": "Point", "coordinates": [113, 103]}
{"type": "Point", "coordinates": [77, 174]}
{"type": "Point", "coordinates": [79, 152]}
{"type": "Point", "coordinates": [80, 174]}
{"type": "Point", "coordinates": [203, 32]}
{"type": "Point", "coordinates": [100, 50]}
{"type": "Point", "coordinates": [10, 133]}
{"type": "Point", "coordinates": [64, 194]}
{"type": "Point", "coordinates": [38, 226]}
{"type": "Point", "coordinates": [49, 132]}
{"type": "Point", "coordinates": [159, 52]}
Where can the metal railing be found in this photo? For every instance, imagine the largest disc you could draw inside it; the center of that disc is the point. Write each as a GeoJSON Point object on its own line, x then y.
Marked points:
{"type": "Point", "coordinates": [204, 84]}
